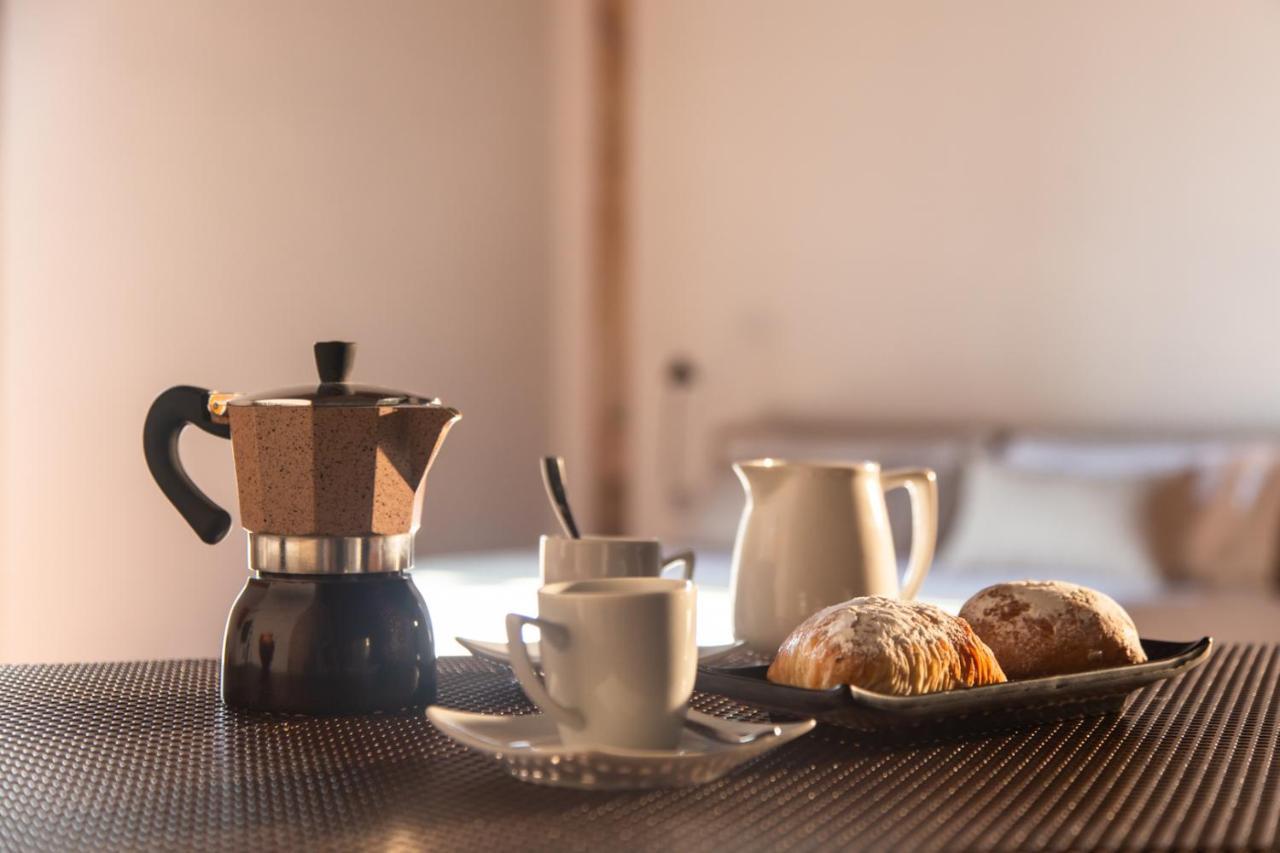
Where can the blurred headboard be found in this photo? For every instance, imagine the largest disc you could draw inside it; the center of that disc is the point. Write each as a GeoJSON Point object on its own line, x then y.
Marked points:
{"type": "Point", "coordinates": [943, 447]}
{"type": "Point", "coordinates": [948, 448]}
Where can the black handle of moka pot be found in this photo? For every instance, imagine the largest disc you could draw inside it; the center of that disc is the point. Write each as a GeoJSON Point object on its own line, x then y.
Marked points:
{"type": "Point", "coordinates": [169, 415]}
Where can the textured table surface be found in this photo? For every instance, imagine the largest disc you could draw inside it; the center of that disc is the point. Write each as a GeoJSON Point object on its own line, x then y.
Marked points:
{"type": "Point", "coordinates": [143, 756]}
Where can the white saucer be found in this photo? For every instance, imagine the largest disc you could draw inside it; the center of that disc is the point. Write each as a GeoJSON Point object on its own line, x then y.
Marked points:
{"type": "Point", "coordinates": [529, 748]}
{"type": "Point", "coordinates": [497, 652]}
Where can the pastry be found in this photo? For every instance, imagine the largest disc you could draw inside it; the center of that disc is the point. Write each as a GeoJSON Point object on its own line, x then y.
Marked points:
{"type": "Point", "coordinates": [886, 645]}
{"type": "Point", "coordinates": [1039, 628]}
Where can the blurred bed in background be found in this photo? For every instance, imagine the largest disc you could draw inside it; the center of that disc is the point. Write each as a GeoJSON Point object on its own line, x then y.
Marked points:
{"type": "Point", "coordinates": [1184, 529]}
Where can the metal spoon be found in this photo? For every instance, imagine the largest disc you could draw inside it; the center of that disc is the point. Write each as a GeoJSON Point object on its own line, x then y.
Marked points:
{"type": "Point", "coordinates": [553, 479]}
{"type": "Point", "coordinates": [722, 736]}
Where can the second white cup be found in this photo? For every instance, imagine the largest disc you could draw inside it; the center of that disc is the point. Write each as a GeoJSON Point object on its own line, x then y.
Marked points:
{"type": "Point", "coordinates": [563, 559]}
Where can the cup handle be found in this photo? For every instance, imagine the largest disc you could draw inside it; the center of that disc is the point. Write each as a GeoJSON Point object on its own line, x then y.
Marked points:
{"type": "Point", "coordinates": [525, 674]}
{"type": "Point", "coordinates": [685, 558]}
{"type": "Point", "coordinates": [922, 486]}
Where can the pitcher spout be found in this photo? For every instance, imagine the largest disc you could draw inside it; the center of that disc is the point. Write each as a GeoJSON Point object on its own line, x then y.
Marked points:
{"type": "Point", "coordinates": [761, 477]}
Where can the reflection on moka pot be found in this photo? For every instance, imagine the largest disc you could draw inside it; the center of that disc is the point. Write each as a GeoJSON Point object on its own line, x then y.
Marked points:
{"type": "Point", "coordinates": [331, 480]}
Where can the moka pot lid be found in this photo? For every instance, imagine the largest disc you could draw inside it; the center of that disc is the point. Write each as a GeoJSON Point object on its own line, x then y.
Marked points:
{"type": "Point", "coordinates": [334, 360]}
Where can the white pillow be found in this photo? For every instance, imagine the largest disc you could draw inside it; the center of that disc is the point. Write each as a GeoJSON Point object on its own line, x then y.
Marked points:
{"type": "Point", "coordinates": [1035, 522]}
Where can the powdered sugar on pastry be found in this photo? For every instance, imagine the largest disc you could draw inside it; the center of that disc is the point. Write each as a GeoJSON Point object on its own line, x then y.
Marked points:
{"type": "Point", "coordinates": [886, 645]}
{"type": "Point", "coordinates": [1039, 628]}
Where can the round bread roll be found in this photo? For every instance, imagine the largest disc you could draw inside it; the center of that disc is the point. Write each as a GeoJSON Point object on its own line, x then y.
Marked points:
{"type": "Point", "coordinates": [1039, 628]}
{"type": "Point", "coordinates": [886, 645]}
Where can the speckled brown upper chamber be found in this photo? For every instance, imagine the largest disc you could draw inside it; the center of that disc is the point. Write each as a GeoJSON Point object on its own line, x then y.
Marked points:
{"type": "Point", "coordinates": [334, 471]}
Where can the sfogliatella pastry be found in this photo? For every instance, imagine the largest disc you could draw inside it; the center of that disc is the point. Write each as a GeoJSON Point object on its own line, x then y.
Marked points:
{"type": "Point", "coordinates": [1039, 628]}
{"type": "Point", "coordinates": [885, 645]}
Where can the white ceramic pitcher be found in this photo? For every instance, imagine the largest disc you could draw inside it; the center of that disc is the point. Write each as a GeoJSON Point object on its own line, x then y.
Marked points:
{"type": "Point", "coordinates": [813, 535]}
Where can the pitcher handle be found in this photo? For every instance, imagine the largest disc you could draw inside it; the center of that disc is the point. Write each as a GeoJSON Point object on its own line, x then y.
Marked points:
{"type": "Point", "coordinates": [922, 486]}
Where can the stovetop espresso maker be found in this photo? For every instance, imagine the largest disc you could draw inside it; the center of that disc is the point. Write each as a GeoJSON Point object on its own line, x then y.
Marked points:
{"type": "Point", "coordinates": [331, 479]}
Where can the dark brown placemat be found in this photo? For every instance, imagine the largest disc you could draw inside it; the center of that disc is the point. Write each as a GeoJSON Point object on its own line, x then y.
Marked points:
{"type": "Point", "coordinates": [142, 756]}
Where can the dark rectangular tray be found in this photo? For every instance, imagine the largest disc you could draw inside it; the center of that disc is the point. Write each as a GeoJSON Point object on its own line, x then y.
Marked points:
{"type": "Point", "coordinates": [1009, 705]}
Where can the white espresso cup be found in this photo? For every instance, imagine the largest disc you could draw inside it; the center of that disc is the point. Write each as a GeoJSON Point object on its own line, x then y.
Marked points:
{"type": "Point", "coordinates": [565, 559]}
{"type": "Point", "coordinates": [618, 657]}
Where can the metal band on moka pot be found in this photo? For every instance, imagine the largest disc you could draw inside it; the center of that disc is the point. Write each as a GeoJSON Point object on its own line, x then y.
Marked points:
{"type": "Point", "coordinates": [330, 555]}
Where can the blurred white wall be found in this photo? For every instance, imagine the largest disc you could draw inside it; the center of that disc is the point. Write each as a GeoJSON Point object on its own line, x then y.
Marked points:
{"type": "Point", "coordinates": [195, 191]}
{"type": "Point", "coordinates": [1045, 212]}
{"type": "Point", "coordinates": [1052, 212]}
{"type": "Point", "coordinates": [573, 423]}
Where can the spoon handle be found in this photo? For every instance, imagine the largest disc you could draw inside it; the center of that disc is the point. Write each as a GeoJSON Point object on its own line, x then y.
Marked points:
{"type": "Point", "coordinates": [714, 733]}
{"type": "Point", "coordinates": [553, 479]}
